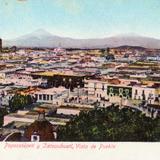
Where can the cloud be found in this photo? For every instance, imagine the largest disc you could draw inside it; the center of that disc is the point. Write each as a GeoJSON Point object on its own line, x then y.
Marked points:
{"type": "Point", "coordinates": [72, 6]}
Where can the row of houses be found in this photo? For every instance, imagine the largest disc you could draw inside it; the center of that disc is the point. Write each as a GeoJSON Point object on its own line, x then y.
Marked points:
{"type": "Point", "coordinates": [103, 89]}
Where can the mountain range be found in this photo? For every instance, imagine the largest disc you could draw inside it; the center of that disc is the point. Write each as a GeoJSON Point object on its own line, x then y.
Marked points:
{"type": "Point", "coordinates": [42, 38]}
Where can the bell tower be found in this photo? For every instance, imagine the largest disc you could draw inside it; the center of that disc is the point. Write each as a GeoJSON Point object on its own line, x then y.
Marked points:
{"type": "Point", "coordinates": [41, 116]}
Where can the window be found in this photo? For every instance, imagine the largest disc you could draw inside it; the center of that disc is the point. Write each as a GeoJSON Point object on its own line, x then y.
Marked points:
{"type": "Point", "coordinates": [143, 96]}
{"type": "Point", "coordinates": [51, 97]}
{"type": "Point", "coordinates": [142, 92]}
{"type": "Point", "coordinates": [95, 86]}
{"type": "Point", "coordinates": [40, 97]}
{"type": "Point", "coordinates": [36, 96]}
{"type": "Point", "coordinates": [103, 87]}
{"type": "Point", "coordinates": [136, 92]}
{"type": "Point", "coordinates": [35, 138]}
{"type": "Point", "coordinates": [47, 97]}
{"type": "Point", "coordinates": [44, 97]}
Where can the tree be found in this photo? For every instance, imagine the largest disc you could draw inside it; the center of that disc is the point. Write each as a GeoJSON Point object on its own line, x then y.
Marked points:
{"type": "Point", "coordinates": [19, 101]}
{"type": "Point", "coordinates": [1, 118]}
{"type": "Point", "coordinates": [110, 124]}
{"type": "Point", "coordinates": [3, 112]}
{"type": "Point", "coordinates": [110, 57]}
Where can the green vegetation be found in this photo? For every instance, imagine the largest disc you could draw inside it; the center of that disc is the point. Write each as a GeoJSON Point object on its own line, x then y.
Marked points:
{"type": "Point", "coordinates": [111, 124]}
{"type": "Point", "coordinates": [3, 112]}
{"type": "Point", "coordinates": [20, 102]}
{"type": "Point", "coordinates": [1, 119]}
{"type": "Point", "coordinates": [106, 53]}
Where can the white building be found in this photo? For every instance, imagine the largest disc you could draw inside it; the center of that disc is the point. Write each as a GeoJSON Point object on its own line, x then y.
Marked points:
{"type": "Point", "coordinates": [68, 111]}
{"type": "Point", "coordinates": [115, 93]}
{"type": "Point", "coordinates": [52, 95]}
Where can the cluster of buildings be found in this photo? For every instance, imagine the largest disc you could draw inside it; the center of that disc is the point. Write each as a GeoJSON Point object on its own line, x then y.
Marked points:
{"type": "Point", "coordinates": [66, 82]}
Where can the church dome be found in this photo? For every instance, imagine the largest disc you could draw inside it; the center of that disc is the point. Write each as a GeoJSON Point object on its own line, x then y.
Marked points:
{"type": "Point", "coordinates": [40, 130]}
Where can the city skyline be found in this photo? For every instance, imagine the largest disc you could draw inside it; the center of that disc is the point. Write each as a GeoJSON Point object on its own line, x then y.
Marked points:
{"type": "Point", "coordinates": [80, 19]}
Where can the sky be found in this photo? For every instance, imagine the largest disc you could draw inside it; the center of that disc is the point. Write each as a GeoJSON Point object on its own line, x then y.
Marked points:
{"type": "Point", "coordinates": [80, 18]}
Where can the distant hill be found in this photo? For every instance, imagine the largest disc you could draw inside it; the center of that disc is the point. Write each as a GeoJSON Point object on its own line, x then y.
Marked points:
{"type": "Point", "coordinates": [131, 47]}
{"type": "Point", "coordinates": [42, 38]}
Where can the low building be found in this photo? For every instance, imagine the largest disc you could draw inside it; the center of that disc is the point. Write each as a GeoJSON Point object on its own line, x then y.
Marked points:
{"type": "Point", "coordinates": [73, 108]}
{"type": "Point", "coordinates": [52, 95]}
{"type": "Point", "coordinates": [30, 117]}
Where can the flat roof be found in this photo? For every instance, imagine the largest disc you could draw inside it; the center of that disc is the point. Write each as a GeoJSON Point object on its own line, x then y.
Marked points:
{"type": "Point", "coordinates": [54, 90]}
{"type": "Point", "coordinates": [51, 73]}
